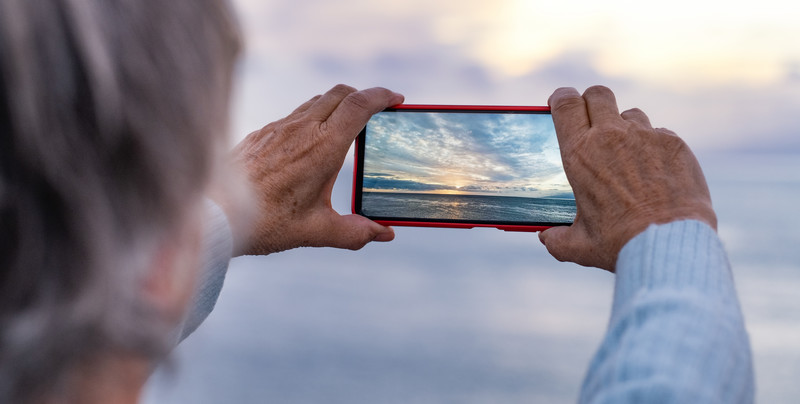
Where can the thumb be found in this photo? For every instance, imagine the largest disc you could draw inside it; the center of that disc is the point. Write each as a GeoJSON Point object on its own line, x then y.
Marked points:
{"type": "Point", "coordinates": [560, 242]}
{"type": "Point", "coordinates": [573, 244]}
{"type": "Point", "coordinates": [355, 231]}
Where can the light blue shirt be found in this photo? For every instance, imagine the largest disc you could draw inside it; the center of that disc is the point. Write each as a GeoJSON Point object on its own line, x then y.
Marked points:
{"type": "Point", "coordinates": [217, 252]}
{"type": "Point", "coordinates": [676, 333]}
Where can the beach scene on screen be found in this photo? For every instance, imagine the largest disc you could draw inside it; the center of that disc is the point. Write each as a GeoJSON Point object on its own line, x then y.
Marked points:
{"type": "Point", "coordinates": [493, 167]}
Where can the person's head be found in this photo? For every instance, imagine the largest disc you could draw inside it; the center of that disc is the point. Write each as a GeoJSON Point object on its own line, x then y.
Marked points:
{"type": "Point", "coordinates": [111, 113]}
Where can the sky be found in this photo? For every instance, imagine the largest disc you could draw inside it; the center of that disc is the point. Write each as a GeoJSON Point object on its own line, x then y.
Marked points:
{"type": "Point", "coordinates": [457, 153]}
{"type": "Point", "coordinates": [475, 316]}
{"type": "Point", "coordinates": [723, 75]}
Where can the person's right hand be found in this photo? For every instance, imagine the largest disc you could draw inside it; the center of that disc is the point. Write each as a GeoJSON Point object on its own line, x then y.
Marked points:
{"type": "Point", "coordinates": [625, 176]}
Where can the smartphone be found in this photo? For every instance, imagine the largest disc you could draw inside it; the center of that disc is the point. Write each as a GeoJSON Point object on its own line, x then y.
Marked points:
{"type": "Point", "coordinates": [462, 166]}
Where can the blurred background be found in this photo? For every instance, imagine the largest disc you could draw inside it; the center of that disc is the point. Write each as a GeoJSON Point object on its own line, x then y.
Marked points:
{"type": "Point", "coordinates": [485, 316]}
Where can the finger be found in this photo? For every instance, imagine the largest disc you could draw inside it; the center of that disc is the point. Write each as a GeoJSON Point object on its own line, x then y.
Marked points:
{"type": "Point", "coordinates": [555, 239]}
{"type": "Point", "coordinates": [306, 105]}
{"type": "Point", "coordinates": [665, 131]}
{"type": "Point", "coordinates": [569, 115]}
{"type": "Point", "coordinates": [354, 232]}
{"type": "Point", "coordinates": [637, 115]}
{"type": "Point", "coordinates": [565, 243]}
{"type": "Point", "coordinates": [355, 110]}
{"type": "Point", "coordinates": [601, 105]}
{"type": "Point", "coordinates": [327, 103]}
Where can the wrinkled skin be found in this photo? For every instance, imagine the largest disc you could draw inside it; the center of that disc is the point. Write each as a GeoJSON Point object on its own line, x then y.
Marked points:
{"type": "Point", "coordinates": [625, 174]}
{"type": "Point", "coordinates": [292, 165]}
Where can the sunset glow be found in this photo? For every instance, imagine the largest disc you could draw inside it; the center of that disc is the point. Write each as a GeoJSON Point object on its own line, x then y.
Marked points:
{"type": "Point", "coordinates": [464, 154]}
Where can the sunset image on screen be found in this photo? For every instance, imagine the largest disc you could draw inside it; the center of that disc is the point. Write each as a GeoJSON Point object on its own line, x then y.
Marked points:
{"type": "Point", "coordinates": [465, 166]}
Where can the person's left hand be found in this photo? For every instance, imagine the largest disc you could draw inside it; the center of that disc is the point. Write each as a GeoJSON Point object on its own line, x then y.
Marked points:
{"type": "Point", "coordinates": [292, 165]}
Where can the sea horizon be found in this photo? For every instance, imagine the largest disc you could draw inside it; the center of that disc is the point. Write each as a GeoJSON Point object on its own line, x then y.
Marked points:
{"type": "Point", "coordinates": [404, 191]}
{"type": "Point", "coordinates": [460, 207]}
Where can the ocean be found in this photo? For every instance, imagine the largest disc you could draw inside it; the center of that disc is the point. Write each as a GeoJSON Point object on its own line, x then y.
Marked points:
{"type": "Point", "coordinates": [467, 207]}
{"type": "Point", "coordinates": [471, 316]}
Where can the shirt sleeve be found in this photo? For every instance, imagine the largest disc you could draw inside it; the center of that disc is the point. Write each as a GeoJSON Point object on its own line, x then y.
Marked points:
{"type": "Point", "coordinates": [676, 333]}
{"type": "Point", "coordinates": [217, 251]}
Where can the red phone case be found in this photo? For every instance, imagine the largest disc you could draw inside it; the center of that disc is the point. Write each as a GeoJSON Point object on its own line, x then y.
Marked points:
{"type": "Point", "coordinates": [444, 224]}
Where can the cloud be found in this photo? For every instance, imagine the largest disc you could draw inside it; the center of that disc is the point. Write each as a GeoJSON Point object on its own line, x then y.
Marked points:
{"type": "Point", "coordinates": [439, 52]}
{"type": "Point", "coordinates": [383, 183]}
{"type": "Point", "coordinates": [469, 152]}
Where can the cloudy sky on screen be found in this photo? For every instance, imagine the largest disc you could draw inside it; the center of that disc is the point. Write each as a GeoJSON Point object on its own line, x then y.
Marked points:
{"type": "Point", "coordinates": [722, 74]}
{"type": "Point", "coordinates": [472, 153]}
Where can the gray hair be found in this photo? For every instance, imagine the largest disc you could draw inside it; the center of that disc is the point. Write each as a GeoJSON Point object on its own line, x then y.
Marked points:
{"type": "Point", "coordinates": [110, 113]}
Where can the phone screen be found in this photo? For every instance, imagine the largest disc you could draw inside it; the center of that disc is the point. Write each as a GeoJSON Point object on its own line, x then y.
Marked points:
{"type": "Point", "coordinates": [426, 165]}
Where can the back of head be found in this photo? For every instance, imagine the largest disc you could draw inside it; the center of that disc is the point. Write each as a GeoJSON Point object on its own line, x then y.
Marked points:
{"type": "Point", "coordinates": [109, 115]}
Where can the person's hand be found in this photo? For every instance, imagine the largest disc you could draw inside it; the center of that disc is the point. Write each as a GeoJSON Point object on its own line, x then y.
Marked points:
{"type": "Point", "coordinates": [625, 176]}
{"type": "Point", "coordinates": [292, 165]}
